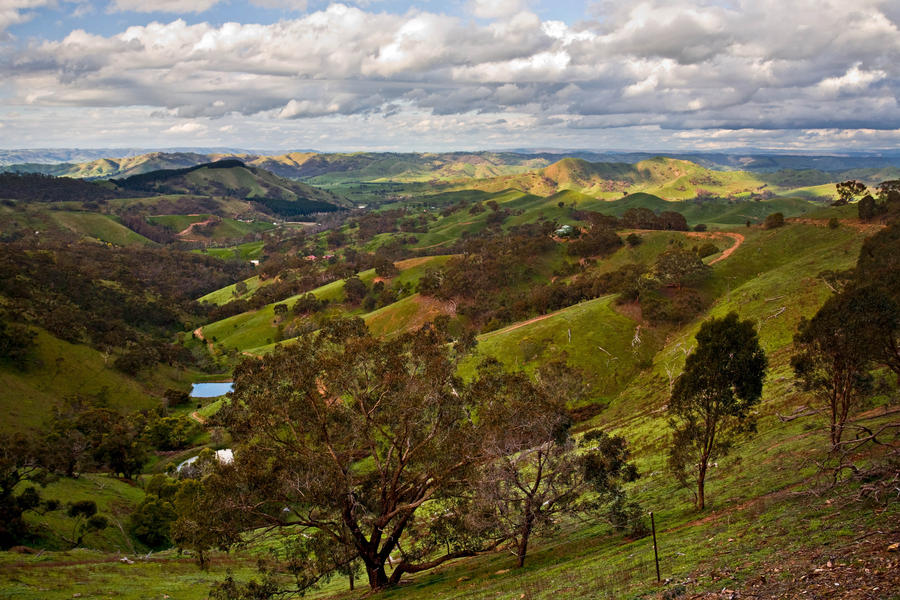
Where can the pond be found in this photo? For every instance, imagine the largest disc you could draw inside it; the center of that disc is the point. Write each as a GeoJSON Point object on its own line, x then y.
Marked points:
{"type": "Point", "coordinates": [211, 390]}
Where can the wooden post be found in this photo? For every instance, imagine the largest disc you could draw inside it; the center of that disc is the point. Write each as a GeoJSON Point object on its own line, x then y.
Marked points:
{"type": "Point", "coordinates": [655, 552]}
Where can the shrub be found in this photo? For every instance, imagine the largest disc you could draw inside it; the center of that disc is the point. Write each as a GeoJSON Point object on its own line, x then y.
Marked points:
{"type": "Point", "coordinates": [707, 249]}
{"type": "Point", "coordinates": [774, 220]}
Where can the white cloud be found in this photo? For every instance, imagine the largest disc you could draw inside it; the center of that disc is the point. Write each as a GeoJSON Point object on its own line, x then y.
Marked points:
{"type": "Point", "coordinates": [163, 6]}
{"type": "Point", "coordinates": [188, 127]}
{"type": "Point", "coordinates": [14, 12]}
{"type": "Point", "coordinates": [760, 65]}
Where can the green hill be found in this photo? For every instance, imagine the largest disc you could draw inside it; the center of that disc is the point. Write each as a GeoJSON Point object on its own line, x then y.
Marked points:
{"type": "Point", "coordinates": [101, 227]}
{"type": "Point", "coordinates": [669, 178]}
{"type": "Point", "coordinates": [257, 331]}
{"type": "Point", "coordinates": [233, 178]}
{"type": "Point", "coordinates": [64, 369]}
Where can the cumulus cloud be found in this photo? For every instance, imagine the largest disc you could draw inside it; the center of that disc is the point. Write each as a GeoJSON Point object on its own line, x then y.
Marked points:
{"type": "Point", "coordinates": [760, 65]}
{"type": "Point", "coordinates": [14, 12]}
{"type": "Point", "coordinates": [189, 127]}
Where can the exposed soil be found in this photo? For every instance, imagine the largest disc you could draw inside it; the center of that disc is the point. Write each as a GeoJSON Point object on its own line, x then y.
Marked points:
{"type": "Point", "coordinates": [737, 237]}
{"type": "Point", "coordinates": [190, 228]}
{"type": "Point", "coordinates": [865, 568]}
{"type": "Point", "coordinates": [198, 333]}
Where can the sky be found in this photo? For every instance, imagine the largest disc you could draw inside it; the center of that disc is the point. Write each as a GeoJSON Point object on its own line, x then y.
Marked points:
{"type": "Point", "coordinates": [392, 75]}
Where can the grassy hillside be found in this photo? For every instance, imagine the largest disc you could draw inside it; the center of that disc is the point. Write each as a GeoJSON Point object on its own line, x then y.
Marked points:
{"type": "Point", "coordinates": [669, 178]}
{"type": "Point", "coordinates": [257, 331]}
{"type": "Point", "coordinates": [591, 336]}
{"type": "Point", "coordinates": [245, 251]}
{"type": "Point", "coordinates": [101, 227]}
{"type": "Point", "coordinates": [233, 178]}
{"type": "Point", "coordinates": [64, 369]}
{"type": "Point", "coordinates": [760, 532]}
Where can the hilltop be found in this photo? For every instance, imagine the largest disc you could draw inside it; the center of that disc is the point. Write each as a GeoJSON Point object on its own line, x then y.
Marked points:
{"type": "Point", "coordinates": [231, 177]}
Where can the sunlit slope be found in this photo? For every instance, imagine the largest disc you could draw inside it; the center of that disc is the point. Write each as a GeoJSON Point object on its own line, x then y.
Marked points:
{"type": "Point", "coordinates": [100, 227]}
{"type": "Point", "coordinates": [668, 178]}
{"type": "Point", "coordinates": [254, 329]}
{"type": "Point", "coordinates": [591, 336]}
{"type": "Point", "coordinates": [672, 179]}
{"type": "Point", "coordinates": [772, 279]}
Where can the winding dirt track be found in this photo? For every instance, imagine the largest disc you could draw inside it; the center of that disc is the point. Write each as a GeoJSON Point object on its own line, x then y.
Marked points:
{"type": "Point", "coordinates": [737, 237]}
{"type": "Point", "coordinates": [190, 228]}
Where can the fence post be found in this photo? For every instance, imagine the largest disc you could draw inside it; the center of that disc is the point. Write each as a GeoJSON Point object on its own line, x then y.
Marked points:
{"type": "Point", "coordinates": [655, 552]}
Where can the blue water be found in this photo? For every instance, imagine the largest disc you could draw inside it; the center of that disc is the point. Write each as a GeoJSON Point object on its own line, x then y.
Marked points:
{"type": "Point", "coordinates": [211, 390]}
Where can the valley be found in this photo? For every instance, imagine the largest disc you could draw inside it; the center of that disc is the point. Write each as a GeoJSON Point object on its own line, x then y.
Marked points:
{"type": "Point", "coordinates": [355, 299]}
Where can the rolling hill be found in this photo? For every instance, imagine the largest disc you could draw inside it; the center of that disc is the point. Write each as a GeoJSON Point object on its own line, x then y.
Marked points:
{"type": "Point", "coordinates": [233, 178]}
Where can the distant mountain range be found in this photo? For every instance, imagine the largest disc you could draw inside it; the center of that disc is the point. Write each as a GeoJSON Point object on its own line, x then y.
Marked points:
{"type": "Point", "coordinates": [405, 167]}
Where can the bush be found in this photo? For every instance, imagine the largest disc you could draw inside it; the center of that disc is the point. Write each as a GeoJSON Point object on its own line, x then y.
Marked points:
{"type": "Point", "coordinates": [700, 227]}
{"type": "Point", "coordinates": [707, 249]}
{"type": "Point", "coordinates": [774, 220]}
{"type": "Point", "coordinates": [16, 345]}
{"type": "Point", "coordinates": [633, 239]}
{"type": "Point", "coordinates": [833, 223]}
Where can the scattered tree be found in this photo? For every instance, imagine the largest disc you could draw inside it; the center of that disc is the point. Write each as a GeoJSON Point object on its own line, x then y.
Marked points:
{"type": "Point", "coordinates": [678, 267]}
{"type": "Point", "coordinates": [535, 473]}
{"type": "Point", "coordinates": [848, 191]}
{"type": "Point", "coordinates": [713, 398]}
{"type": "Point", "coordinates": [836, 349]}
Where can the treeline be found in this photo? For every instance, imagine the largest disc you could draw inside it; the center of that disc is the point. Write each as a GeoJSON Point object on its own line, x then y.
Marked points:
{"type": "Point", "coordinates": [293, 209]}
{"type": "Point", "coordinates": [35, 187]}
{"type": "Point", "coordinates": [289, 273]}
{"type": "Point", "coordinates": [138, 223]}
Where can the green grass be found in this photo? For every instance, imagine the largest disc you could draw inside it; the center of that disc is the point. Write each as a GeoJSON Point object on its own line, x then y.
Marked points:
{"type": "Point", "coordinates": [101, 227]}
{"type": "Point", "coordinates": [230, 229]}
{"type": "Point", "coordinates": [64, 369]}
{"type": "Point", "coordinates": [115, 499]}
{"type": "Point", "coordinates": [590, 336]}
{"type": "Point", "coordinates": [251, 331]}
{"type": "Point", "coordinates": [94, 574]}
{"type": "Point", "coordinates": [226, 294]}
{"type": "Point", "coordinates": [756, 519]}
{"type": "Point", "coordinates": [245, 251]}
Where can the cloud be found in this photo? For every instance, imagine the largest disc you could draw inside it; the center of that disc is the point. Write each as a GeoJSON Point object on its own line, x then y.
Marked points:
{"type": "Point", "coordinates": [14, 12]}
{"type": "Point", "coordinates": [189, 127]}
{"type": "Point", "coordinates": [494, 9]}
{"type": "Point", "coordinates": [163, 6]}
{"type": "Point", "coordinates": [760, 65]}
